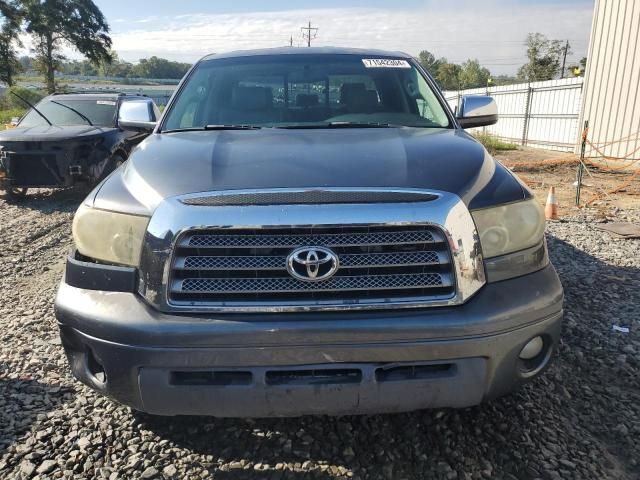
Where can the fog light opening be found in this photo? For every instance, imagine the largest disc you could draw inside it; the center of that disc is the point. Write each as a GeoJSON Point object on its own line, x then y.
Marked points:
{"type": "Point", "coordinates": [95, 368]}
{"type": "Point", "coordinates": [532, 349]}
{"type": "Point", "coordinates": [535, 355]}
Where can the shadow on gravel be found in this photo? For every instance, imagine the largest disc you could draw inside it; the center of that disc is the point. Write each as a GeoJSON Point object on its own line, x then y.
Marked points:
{"type": "Point", "coordinates": [50, 200]}
{"type": "Point", "coordinates": [21, 402]}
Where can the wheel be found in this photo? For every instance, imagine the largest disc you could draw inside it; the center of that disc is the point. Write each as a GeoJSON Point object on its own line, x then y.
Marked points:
{"type": "Point", "coordinates": [16, 193]}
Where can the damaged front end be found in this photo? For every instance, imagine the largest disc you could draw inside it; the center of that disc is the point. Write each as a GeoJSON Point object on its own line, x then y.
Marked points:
{"type": "Point", "coordinates": [57, 162]}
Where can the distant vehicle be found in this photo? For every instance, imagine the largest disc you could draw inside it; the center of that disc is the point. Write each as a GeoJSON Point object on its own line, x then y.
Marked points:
{"type": "Point", "coordinates": [71, 138]}
{"type": "Point", "coordinates": [309, 231]}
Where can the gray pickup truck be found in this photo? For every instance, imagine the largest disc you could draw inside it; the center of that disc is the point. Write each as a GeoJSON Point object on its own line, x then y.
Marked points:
{"type": "Point", "coordinates": [309, 231]}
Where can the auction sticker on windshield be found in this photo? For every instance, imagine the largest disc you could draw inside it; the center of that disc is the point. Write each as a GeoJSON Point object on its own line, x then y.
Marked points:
{"type": "Point", "coordinates": [105, 102]}
{"type": "Point", "coordinates": [385, 63]}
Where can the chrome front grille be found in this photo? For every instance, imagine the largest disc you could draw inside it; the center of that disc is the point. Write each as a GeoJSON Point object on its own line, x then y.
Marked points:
{"type": "Point", "coordinates": [248, 267]}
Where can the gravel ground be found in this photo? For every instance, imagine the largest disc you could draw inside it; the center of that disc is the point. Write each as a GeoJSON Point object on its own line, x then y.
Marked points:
{"type": "Point", "coordinates": [581, 420]}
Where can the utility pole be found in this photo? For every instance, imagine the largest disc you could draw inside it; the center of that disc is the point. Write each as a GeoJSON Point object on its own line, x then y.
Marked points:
{"type": "Point", "coordinates": [564, 59]}
{"type": "Point", "coordinates": [312, 32]}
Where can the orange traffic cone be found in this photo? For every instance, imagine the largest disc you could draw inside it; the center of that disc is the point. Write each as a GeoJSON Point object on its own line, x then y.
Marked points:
{"type": "Point", "coordinates": [551, 208]}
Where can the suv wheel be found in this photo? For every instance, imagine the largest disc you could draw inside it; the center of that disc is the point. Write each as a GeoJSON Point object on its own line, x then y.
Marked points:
{"type": "Point", "coordinates": [16, 193]}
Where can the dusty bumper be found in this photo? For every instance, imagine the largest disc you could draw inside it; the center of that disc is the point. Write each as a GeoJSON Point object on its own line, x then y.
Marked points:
{"type": "Point", "coordinates": [298, 364]}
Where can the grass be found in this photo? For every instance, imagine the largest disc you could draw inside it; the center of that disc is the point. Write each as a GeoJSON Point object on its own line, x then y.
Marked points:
{"type": "Point", "coordinates": [494, 144]}
{"type": "Point", "coordinates": [7, 115]}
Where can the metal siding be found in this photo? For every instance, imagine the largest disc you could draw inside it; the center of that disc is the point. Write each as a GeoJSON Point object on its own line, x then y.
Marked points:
{"type": "Point", "coordinates": [554, 110]}
{"type": "Point", "coordinates": [612, 83]}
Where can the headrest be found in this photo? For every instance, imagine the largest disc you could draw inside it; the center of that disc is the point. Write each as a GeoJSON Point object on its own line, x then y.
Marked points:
{"type": "Point", "coordinates": [306, 100]}
{"type": "Point", "coordinates": [251, 98]}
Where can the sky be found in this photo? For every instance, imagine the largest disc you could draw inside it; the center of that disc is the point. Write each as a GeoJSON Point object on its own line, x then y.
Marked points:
{"type": "Point", "coordinates": [493, 31]}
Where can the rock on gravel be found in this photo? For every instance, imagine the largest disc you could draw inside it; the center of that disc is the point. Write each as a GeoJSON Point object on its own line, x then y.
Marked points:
{"type": "Point", "coordinates": [581, 420]}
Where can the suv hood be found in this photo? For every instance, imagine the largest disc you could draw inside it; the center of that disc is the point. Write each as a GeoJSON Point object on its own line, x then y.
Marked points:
{"type": "Point", "coordinates": [171, 164]}
{"type": "Point", "coordinates": [43, 133]}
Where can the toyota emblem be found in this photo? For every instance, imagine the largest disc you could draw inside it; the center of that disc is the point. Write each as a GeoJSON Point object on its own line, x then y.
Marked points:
{"type": "Point", "coordinates": [312, 264]}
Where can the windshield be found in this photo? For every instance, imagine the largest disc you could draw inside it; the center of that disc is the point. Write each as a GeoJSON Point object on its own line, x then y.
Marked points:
{"type": "Point", "coordinates": [305, 91]}
{"type": "Point", "coordinates": [61, 111]}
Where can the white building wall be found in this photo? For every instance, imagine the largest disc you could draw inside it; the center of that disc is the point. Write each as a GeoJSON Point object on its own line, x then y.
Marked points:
{"type": "Point", "coordinates": [611, 100]}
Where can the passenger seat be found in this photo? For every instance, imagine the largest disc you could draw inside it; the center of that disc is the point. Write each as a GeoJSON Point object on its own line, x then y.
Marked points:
{"type": "Point", "coordinates": [250, 105]}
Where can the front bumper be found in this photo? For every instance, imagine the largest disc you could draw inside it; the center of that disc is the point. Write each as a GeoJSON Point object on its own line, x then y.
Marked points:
{"type": "Point", "coordinates": [233, 365]}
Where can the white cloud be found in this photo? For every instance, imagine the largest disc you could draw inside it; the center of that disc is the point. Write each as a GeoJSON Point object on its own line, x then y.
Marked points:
{"type": "Point", "coordinates": [492, 31]}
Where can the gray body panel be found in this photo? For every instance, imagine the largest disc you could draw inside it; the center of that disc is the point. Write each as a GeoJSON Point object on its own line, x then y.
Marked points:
{"type": "Point", "coordinates": [139, 347]}
{"type": "Point", "coordinates": [172, 164]}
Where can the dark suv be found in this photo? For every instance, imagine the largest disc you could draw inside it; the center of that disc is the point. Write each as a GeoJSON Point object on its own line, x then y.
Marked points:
{"type": "Point", "coordinates": [70, 138]}
{"type": "Point", "coordinates": [309, 231]}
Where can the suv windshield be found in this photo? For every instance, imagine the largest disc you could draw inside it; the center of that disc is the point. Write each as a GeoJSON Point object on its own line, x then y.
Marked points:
{"type": "Point", "coordinates": [61, 111]}
{"type": "Point", "coordinates": [306, 91]}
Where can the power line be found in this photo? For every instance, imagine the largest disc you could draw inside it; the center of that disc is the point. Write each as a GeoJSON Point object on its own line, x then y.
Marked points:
{"type": "Point", "coordinates": [312, 32]}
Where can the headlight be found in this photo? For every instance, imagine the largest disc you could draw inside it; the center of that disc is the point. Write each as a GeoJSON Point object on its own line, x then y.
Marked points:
{"type": "Point", "coordinates": [108, 236]}
{"type": "Point", "coordinates": [512, 239]}
{"type": "Point", "coordinates": [509, 228]}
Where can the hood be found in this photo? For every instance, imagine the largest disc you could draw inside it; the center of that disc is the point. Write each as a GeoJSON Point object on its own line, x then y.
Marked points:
{"type": "Point", "coordinates": [170, 164]}
{"type": "Point", "coordinates": [43, 133]}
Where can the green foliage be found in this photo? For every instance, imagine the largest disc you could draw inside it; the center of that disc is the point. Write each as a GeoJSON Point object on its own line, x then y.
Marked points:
{"type": "Point", "coordinates": [155, 67]}
{"type": "Point", "coordinates": [494, 144]}
{"type": "Point", "coordinates": [9, 101]}
{"type": "Point", "coordinates": [429, 61]}
{"type": "Point", "coordinates": [472, 75]}
{"type": "Point", "coordinates": [448, 76]}
{"type": "Point", "coordinates": [7, 115]}
{"type": "Point", "coordinates": [451, 76]}
{"type": "Point", "coordinates": [11, 17]}
{"type": "Point", "coordinates": [55, 23]}
{"type": "Point", "coordinates": [544, 58]}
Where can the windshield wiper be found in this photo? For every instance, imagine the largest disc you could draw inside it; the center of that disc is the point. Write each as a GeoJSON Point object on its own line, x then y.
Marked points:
{"type": "Point", "coordinates": [34, 108]}
{"type": "Point", "coordinates": [231, 127]}
{"type": "Point", "coordinates": [212, 127]}
{"type": "Point", "coordinates": [84, 117]}
{"type": "Point", "coordinates": [361, 125]}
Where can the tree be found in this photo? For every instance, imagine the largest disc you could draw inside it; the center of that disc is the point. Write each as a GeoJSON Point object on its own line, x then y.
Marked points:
{"type": "Point", "coordinates": [429, 62]}
{"type": "Point", "coordinates": [78, 23]}
{"type": "Point", "coordinates": [472, 75]}
{"type": "Point", "coordinates": [544, 58]}
{"type": "Point", "coordinates": [448, 76]}
{"type": "Point", "coordinates": [114, 68]}
{"type": "Point", "coordinates": [26, 63]}
{"type": "Point", "coordinates": [10, 16]}
{"type": "Point", "coordinates": [155, 67]}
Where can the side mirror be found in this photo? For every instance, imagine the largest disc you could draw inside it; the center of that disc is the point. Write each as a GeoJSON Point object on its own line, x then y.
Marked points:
{"type": "Point", "coordinates": [137, 125]}
{"type": "Point", "coordinates": [137, 116]}
{"type": "Point", "coordinates": [477, 111]}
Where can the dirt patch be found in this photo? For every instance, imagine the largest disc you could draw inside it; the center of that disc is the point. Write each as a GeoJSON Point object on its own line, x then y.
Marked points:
{"type": "Point", "coordinates": [561, 174]}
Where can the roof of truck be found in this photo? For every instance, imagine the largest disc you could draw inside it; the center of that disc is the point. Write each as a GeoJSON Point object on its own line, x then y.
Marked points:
{"type": "Point", "coordinates": [308, 51]}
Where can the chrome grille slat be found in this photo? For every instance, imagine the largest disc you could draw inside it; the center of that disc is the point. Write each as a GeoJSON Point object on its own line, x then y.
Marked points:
{"type": "Point", "coordinates": [248, 266]}
{"type": "Point", "coordinates": [284, 284]}
{"type": "Point", "coordinates": [307, 196]}
{"type": "Point", "coordinates": [374, 260]}
{"type": "Point", "coordinates": [328, 240]}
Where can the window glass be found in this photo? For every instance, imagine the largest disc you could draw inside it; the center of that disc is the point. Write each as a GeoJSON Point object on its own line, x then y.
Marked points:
{"type": "Point", "coordinates": [61, 111]}
{"type": "Point", "coordinates": [305, 90]}
{"type": "Point", "coordinates": [135, 110]}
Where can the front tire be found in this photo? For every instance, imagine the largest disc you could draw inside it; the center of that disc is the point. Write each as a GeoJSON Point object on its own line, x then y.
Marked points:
{"type": "Point", "coordinates": [16, 193]}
